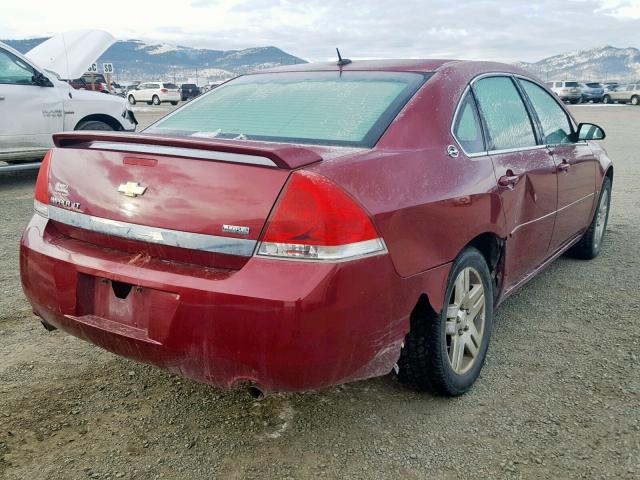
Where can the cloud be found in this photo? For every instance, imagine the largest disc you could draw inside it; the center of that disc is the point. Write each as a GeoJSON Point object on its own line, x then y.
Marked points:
{"type": "Point", "coordinates": [311, 29]}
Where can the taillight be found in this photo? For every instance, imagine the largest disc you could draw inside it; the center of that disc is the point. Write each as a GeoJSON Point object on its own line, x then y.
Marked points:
{"type": "Point", "coordinates": [317, 220]}
{"type": "Point", "coordinates": [41, 197]}
{"type": "Point", "coordinates": [164, 90]}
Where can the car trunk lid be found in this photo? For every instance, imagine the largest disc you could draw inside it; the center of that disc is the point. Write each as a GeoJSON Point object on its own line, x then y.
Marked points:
{"type": "Point", "coordinates": [195, 201]}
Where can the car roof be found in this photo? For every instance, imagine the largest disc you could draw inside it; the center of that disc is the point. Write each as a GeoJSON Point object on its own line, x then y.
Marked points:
{"type": "Point", "coordinates": [469, 68]}
{"type": "Point", "coordinates": [408, 65]}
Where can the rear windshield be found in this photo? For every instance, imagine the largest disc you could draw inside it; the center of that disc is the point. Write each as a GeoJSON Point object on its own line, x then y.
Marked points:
{"type": "Point", "coordinates": [169, 85]}
{"type": "Point", "coordinates": [188, 85]}
{"type": "Point", "coordinates": [594, 85]}
{"type": "Point", "coordinates": [570, 84]}
{"type": "Point", "coordinates": [326, 108]}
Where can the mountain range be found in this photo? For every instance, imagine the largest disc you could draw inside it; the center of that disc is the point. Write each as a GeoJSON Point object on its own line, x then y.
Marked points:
{"type": "Point", "coordinates": [598, 64]}
{"type": "Point", "coordinates": [137, 60]}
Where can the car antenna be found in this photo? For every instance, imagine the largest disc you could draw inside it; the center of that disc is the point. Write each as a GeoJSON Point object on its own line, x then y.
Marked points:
{"type": "Point", "coordinates": [342, 61]}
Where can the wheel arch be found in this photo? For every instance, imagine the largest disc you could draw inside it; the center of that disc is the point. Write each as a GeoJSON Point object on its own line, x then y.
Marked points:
{"type": "Point", "coordinates": [492, 247]}
{"type": "Point", "coordinates": [609, 173]}
{"type": "Point", "coordinates": [101, 117]}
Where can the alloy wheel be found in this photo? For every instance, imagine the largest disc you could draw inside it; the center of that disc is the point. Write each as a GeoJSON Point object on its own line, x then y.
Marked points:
{"type": "Point", "coordinates": [601, 218]}
{"type": "Point", "coordinates": [465, 321]}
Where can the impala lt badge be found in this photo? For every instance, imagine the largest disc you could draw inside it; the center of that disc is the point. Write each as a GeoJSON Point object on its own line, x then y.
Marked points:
{"type": "Point", "coordinates": [132, 189]}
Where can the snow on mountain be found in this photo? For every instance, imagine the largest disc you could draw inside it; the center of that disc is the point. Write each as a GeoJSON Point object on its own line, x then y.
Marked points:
{"type": "Point", "coordinates": [137, 60]}
{"type": "Point", "coordinates": [603, 63]}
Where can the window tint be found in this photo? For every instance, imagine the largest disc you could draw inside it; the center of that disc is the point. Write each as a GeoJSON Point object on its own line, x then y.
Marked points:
{"type": "Point", "coordinates": [467, 129]}
{"type": "Point", "coordinates": [556, 126]}
{"type": "Point", "coordinates": [505, 115]}
{"type": "Point", "coordinates": [571, 84]}
{"type": "Point", "coordinates": [13, 70]}
{"type": "Point", "coordinates": [169, 85]}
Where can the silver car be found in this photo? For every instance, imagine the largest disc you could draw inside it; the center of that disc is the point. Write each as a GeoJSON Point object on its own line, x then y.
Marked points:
{"type": "Point", "coordinates": [567, 91]}
{"type": "Point", "coordinates": [629, 93]}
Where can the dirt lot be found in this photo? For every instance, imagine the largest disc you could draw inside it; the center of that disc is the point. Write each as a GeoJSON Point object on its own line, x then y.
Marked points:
{"type": "Point", "coordinates": [558, 398]}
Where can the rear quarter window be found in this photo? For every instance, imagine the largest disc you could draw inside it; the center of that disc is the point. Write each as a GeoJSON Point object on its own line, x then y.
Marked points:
{"type": "Point", "coordinates": [467, 128]}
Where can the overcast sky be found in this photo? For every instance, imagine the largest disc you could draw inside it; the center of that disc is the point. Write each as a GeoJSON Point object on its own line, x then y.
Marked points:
{"type": "Point", "coordinates": [504, 30]}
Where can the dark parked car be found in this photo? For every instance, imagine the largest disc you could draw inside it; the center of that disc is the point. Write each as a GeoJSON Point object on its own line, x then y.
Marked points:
{"type": "Point", "coordinates": [592, 92]}
{"type": "Point", "coordinates": [317, 224]}
{"type": "Point", "coordinates": [189, 91]}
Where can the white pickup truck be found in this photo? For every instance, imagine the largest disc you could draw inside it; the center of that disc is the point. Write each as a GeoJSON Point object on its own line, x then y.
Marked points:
{"type": "Point", "coordinates": [35, 102]}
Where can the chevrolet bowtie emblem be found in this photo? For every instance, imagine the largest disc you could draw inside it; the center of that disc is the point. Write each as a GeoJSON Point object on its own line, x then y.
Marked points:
{"type": "Point", "coordinates": [132, 189]}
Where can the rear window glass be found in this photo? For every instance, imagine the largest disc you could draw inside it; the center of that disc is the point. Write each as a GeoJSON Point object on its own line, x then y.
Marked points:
{"type": "Point", "coordinates": [570, 84]}
{"type": "Point", "coordinates": [594, 85]}
{"type": "Point", "coordinates": [326, 108]}
{"type": "Point", "coordinates": [169, 85]}
{"type": "Point", "coordinates": [188, 85]}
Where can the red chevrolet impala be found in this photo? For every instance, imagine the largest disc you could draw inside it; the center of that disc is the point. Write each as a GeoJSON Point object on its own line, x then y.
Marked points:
{"type": "Point", "coordinates": [317, 224]}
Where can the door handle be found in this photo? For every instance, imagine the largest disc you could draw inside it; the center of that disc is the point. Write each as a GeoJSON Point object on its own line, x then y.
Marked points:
{"type": "Point", "coordinates": [564, 166]}
{"type": "Point", "coordinates": [509, 180]}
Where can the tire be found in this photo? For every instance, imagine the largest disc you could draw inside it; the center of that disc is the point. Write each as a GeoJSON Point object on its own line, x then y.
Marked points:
{"type": "Point", "coordinates": [132, 100]}
{"type": "Point", "coordinates": [575, 101]}
{"type": "Point", "coordinates": [155, 100]}
{"type": "Point", "coordinates": [606, 99]}
{"type": "Point", "coordinates": [635, 100]}
{"type": "Point", "coordinates": [94, 125]}
{"type": "Point", "coordinates": [174, 103]}
{"type": "Point", "coordinates": [425, 362]}
{"type": "Point", "coordinates": [184, 99]}
{"type": "Point", "coordinates": [591, 242]}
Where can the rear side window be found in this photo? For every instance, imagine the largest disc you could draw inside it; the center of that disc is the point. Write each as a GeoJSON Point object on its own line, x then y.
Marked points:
{"type": "Point", "coordinates": [170, 85]}
{"type": "Point", "coordinates": [466, 127]}
{"type": "Point", "coordinates": [556, 126]}
{"type": "Point", "coordinates": [571, 84]}
{"type": "Point", "coordinates": [506, 118]}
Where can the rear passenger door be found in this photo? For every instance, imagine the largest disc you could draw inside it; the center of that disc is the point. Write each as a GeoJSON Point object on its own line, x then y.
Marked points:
{"type": "Point", "coordinates": [525, 175]}
{"type": "Point", "coordinates": [575, 165]}
{"type": "Point", "coordinates": [143, 93]}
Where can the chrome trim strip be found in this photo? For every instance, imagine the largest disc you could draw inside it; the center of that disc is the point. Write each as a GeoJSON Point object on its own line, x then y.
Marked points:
{"type": "Point", "coordinates": [551, 213]}
{"type": "Point", "coordinates": [184, 152]}
{"type": "Point", "coordinates": [161, 236]}
{"type": "Point", "coordinates": [514, 150]}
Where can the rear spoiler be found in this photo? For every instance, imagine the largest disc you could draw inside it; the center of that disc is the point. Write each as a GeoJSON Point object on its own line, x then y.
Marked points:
{"type": "Point", "coordinates": [255, 153]}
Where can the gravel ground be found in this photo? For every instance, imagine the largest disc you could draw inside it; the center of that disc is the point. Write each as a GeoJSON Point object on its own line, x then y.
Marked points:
{"type": "Point", "coordinates": [558, 397]}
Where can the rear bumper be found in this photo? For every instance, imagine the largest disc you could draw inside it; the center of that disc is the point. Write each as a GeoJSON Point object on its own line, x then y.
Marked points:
{"type": "Point", "coordinates": [170, 97]}
{"type": "Point", "coordinates": [285, 325]}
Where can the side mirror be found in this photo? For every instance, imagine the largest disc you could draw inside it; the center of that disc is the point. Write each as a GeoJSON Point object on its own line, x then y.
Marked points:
{"type": "Point", "coordinates": [589, 131]}
{"type": "Point", "coordinates": [40, 80]}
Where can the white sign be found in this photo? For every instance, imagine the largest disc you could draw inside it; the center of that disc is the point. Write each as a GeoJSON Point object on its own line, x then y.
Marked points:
{"type": "Point", "coordinates": [93, 68]}
{"type": "Point", "coordinates": [107, 67]}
